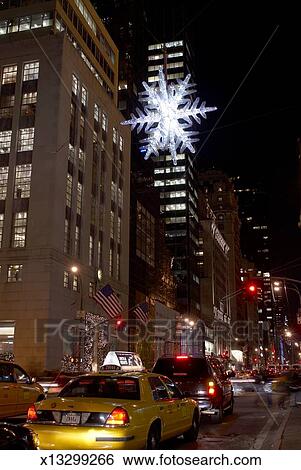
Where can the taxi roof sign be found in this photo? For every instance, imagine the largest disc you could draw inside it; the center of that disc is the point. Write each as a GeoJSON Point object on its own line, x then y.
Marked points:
{"type": "Point", "coordinates": [122, 360]}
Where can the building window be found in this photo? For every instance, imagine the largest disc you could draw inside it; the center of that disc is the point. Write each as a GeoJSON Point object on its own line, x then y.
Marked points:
{"type": "Point", "coordinates": [121, 143]}
{"type": "Point", "coordinates": [26, 138]}
{"type": "Point", "coordinates": [113, 191]}
{"type": "Point", "coordinates": [31, 71]}
{"type": "Point", "coordinates": [67, 236]}
{"type": "Point", "coordinates": [82, 158]}
{"type": "Point", "coordinates": [91, 250]}
{"type": "Point", "coordinates": [119, 229]}
{"type": "Point", "coordinates": [19, 230]}
{"type": "Point", "coordinates": [120, 198]}
{"type": "Point", "coordinates": [24, 23]}
{"type": "Point", "coordinates": [79, 197]}
{"type": "Point", "coordinates": [3, 181]}
{"type": "Point", "coordinates": [145, 235]}
{"type": "Point", "coordinates": [111, 262]}
{"type": "Point", "coordinates": [118, 266]}
{"type": "Point", "coordinates": [9, 74]}
{"type": "Point", "coordinates": [69, 190]}
{"type": "Point", "coordinates": [84, 96]}
{"type": "Point", "coordinates": [75, 85]}
{"type": "Point", "coordinates": [91, 289]}
{"type": "Point", "coordinates": [96, 113]}
{"type": "Point", "coordinates": [30, 98]}
{"type": "Point", "coordinates": [14, 273]}
{"type": "Point", "coordinates": [66, 279]}
{"type": "Point", "coordinates": [5, 141]}
{"type": "Point", "coordinates": [99, 253]}
{"type": "Point", "coordinates": [112, 224]}
{"type": "Point", "coordinates": [115, 135]}
{"type": "Point", "coordinates": [77, 241]}
{"type": "Point", "coordinates": [104, 123]}
{"type": "Point", "coordinates": [75, 283]}
{"type": "Point", "coordinates": [22, 181]}
{"type": "Point", "coordinates": [1, 228]}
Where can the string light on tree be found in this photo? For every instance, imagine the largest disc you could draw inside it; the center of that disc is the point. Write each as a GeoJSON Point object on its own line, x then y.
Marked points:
{"type": "Point", "coordinates": [168, 113]}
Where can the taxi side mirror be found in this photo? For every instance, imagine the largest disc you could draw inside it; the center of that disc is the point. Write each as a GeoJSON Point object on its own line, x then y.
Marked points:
{"type": "Point", "coordinates": [33, 380]}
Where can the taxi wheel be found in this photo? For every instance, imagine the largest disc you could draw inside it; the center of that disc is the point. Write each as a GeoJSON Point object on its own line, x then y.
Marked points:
{"type": "Point", "coordinates": [218, 417]}
{"type": "Point", "coordinates": [192, 434]}
{"type": "Point", "coordinates": [153, 437]}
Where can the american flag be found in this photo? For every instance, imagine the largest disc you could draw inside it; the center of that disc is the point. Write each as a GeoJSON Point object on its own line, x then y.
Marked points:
{"type": "Point", "coordinates": [141, 312]}
{"type": "Point", "coordinates": [109, 301]}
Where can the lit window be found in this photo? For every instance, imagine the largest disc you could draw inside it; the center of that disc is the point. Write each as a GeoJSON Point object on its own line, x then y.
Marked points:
{"type": "Point", "coordinates": [24, 23]}
{"type": "Point", "coordinates": [19, 230]}
{"type": "Point", "coordinates": [91, 289]}
{"type": "Point", "coordinates": [121, 143]}
{"type": "Point", "coordinates": [66, 279]}
{"type": "Point", "coordinates": [112, 224]}
{"type": "Point", "coordinates": [3, 26]}
{"type": "Point", "coordinates": [77, 241]}
{"type": "Point", "coordinates": [104, 122]}
{"type": "Point", "coordinates": [75, 85]}
{"type": "Point", "coordinates": [26, 138]}
{"type": "Point", "coordinates": [113, 191]}
{"type": "Point", "coordinates": [67, 232]}
{"type": "Point", "coordinates": [9, 74]}
{"type": "Point", "coordinates": [14, 273]}
{"type": "Point", "coordinates": [118, 266]}
{"type": "Point", "coordinates": [84, 96]}
{"type": "Point", "coordinates": [22, 181]}
{"type": "Point", "coordinates": [5, 141]}
{"type": "Point", "coordinates": [69, 190]}
{"type": "Point", "coordinates": [31, 71]}
{"type": "Point", "coordinates": [173, 207]}
{"type": "Point", "coordinates": [119, 230]}
{"type": "Point", "coordinates": [79, 197]}
{"type": "Point", "coordinates": [82, 158]}
{"type": "Point", "coordinates": [29, 98]}
{"type": "Point", "coordinates": [91, 250]}
{"type": "Point", "coordinates": [175, 220]}
{"type": "Point", "coordinates": [3, 181]}
{"type": "Point", "coordinates": [115, 136]}
{"type": "Point", "coordinates": [120, 198]}
{"type": "Point", "coordinates": [99, 253]}
{"type": "Point", "coordinates": [75, 283]}
{"type": "Point", "coordinates": [96, 112]}
{"type": "Point", "coordinates": [111, 262]}
{"type": "Point", "coordinates": [1, 228]}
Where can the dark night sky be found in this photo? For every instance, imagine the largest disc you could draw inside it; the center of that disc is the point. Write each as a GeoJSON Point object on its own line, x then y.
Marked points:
{"type": "Point", "coordinates": [257, 135]}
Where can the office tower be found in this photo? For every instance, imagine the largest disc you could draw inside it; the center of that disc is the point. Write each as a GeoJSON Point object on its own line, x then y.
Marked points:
{"type": "Point", "coordinates": [64, 175]}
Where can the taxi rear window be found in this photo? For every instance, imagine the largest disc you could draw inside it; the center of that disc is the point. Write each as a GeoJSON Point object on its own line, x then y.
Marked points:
{"type": "Point", "coordinates": [191, 367]}
{"type": "Point", "coordinates": [103, 387]}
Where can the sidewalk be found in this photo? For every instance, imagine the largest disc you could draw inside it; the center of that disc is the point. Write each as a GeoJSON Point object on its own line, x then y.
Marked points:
{"type": "Point", "coordinates": [291, 437]}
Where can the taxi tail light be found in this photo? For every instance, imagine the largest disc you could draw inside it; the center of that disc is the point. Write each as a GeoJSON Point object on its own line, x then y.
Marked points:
{"type": "Point", "coordinates": [211, 389]}
{"type": "Point", "coordinates": [32, 413]}
{"type": "Point", "coordinates": [118, 417]}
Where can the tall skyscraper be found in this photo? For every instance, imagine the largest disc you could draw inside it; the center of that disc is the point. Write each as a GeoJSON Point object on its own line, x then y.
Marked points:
{"type": "Point", "coordinates": [64, 175]}
{"type": "Point", "coordinates": [178, 187]}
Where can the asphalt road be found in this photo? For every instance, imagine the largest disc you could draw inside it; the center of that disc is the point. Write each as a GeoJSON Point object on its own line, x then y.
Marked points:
{"type": "Point", "coordinates": [253, 425]}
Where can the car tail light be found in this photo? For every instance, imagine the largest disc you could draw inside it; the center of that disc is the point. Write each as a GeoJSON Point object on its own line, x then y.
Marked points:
{"type": "Point", "coordinates": [32, 413]}
{"type": "Point", "coordinates": [211, 389]}
{"type": "Point", "coordinates": [182, 357]}
{"type": "Point", "coordinates": [118, 417]}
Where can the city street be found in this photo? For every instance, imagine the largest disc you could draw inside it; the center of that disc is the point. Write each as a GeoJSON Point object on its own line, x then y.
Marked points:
{"type": "Point", "coordinates": [252, 426]}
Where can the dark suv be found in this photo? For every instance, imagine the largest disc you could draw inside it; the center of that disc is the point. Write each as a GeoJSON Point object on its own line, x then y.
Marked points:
{"type": "Point", "coordinates": [203, 379]}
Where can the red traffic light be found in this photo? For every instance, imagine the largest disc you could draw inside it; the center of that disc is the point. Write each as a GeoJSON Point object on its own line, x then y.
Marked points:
{"type": "Point", "coordinates": [120, 324]}
{"type": "Point", "coordinates": [252, 288]}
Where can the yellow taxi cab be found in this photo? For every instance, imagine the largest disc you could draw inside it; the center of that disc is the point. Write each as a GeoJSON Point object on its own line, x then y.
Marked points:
{"type": "Point", "coordinates": [17, 390]}
{"type": "Point", "coordinates": [114, 409]}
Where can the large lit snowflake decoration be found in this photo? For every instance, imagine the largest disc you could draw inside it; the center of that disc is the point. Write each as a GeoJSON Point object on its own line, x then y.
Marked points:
{"type": "Point", "coordinates": [168, 112]}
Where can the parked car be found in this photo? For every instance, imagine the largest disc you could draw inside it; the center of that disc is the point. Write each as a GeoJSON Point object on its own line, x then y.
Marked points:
{"type": "Point", "coordinates": [18, 391]}
{"type": "Point", "coordinates": [13, 437]}
{"type": "Point", "coordinates": [202, 378]}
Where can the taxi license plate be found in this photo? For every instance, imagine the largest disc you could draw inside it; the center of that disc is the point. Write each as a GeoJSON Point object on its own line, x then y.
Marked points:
{"type": "Point", "coordinates": [71, 418]}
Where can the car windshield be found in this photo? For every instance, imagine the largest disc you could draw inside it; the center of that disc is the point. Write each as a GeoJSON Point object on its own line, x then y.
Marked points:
{"type": "Point", "coordinates": [103, 387]}
{"type": "Point", "coordinates": [184, 367]}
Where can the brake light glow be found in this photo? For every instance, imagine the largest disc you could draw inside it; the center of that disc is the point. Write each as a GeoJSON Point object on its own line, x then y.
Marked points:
{"type": "Point", "coordinates": [32, 413]}
{"type": "Point", "coordinates": [211, 390]}
{"type": "Point", "coordinates": [182, 357]}
{"type": "Point", "coordinates": [118, 417]}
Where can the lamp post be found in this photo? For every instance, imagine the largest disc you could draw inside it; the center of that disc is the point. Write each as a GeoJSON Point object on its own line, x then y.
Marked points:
{"type": "Point", "coordinates": [80, 316]}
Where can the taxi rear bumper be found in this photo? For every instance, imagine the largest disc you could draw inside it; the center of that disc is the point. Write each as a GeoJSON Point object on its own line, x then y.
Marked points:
{"type": "Point", "coordinates": [60, 437]}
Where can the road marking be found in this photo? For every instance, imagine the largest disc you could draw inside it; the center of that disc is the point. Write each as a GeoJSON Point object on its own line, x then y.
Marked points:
{"type": "Point", "coordinates": [263, 434]}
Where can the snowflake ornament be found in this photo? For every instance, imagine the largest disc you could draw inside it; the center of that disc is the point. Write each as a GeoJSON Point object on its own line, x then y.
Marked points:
{"type": "Point", "coordinates": [168, 112]}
